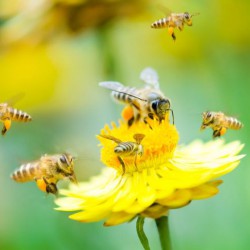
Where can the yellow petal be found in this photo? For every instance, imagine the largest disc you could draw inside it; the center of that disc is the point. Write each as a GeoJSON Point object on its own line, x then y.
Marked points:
{"type": "Point", "coordinates": [118, 218]}
{"type": "Point", "coordinates": [206, 190]}
{"type": "Point", "coordinates": [178, 199]}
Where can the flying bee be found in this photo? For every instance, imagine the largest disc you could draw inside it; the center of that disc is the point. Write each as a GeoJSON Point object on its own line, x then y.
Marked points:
{"type": "Point", "coordinates": [9, 114]}
{"type": "Point", "coordinates": [174, 20]}
{"type": "Point", "coordinates": [127, 148]}
{"type": "Point", "coordinates": [47, 171]}
{"type": "Point", "coordinates": [219, 122]}
{"type": "Point", "coordinates": [147, 102]}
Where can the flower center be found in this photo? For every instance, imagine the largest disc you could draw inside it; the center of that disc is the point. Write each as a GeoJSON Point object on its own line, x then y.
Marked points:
{"type": "Point", "coordinates": [123, 150]}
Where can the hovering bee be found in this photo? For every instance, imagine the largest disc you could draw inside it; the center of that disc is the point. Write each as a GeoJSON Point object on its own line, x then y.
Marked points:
{"type": "Point", "coordinates": [47, 171]}
{"type": "Point", "coordinates": [9, 114]}
{"type": "Point", "coordinates": [147, 102]}
{"type": "Point", "coordinates": [174, 20]}
{"type": "Point", "coordinates": [219, 122]}
{"type": "Point", "coordinates": [127, 148]}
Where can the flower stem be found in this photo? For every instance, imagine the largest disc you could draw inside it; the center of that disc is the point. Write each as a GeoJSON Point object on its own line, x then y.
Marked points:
{"type": "Point", "coordinates": [163, 230]}
{"type": "Point", "coordinates": [142, 236]}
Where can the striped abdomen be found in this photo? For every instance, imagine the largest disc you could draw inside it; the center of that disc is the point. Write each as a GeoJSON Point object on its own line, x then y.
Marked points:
{"type": "Point", "coordinates": [18, 115]}
{"type": "Point", "coordinates": [126, 148]}
{"type": "Point", "coordinates": [161, 23]}
{"type": "Point", "coordinates": [122, 94]}
{"type": "Point", "coordinates": [27, 172]}
{"type": "Point", "coordinates": [233, 123]}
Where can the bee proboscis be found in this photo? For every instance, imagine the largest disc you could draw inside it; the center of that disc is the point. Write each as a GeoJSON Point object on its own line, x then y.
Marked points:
{"type": "Point", "coordinates": [9, 114]}
{"type": "Point", "coordinates": [127, 148]}
{"type": "Point", "coordinates": [174, 20]}
{"type": "Point", "coordinates": [47, 171]}
{"type": "Point", "coordinates": [146, 102]}
{"type": "Point", "coordinates": [219, 122]}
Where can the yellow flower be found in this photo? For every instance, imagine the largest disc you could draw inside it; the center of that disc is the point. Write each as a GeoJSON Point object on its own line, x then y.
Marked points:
{"type": "Point", "coordinates": [165, 177]}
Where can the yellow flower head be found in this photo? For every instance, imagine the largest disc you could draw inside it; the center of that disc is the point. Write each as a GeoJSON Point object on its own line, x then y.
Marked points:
{"type": "Point", "coordinates": [154, 178]}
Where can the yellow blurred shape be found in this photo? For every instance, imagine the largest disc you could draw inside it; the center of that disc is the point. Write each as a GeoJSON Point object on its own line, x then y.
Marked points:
{"type": "Point", "coordinates": [29, 71]}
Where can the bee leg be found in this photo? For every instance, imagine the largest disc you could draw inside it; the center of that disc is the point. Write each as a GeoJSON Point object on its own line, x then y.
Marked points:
{"type": "Point", "coordinates": [131, 121]}
{"type": "Point", "coordinates": [171, 32]}
{"type": "Point", "coordinates": [203, 126]}
{"type": "Point", "coordinates": [173, 36]}
{"type": "Point", "coordinates": [180, 27]}
{"type": "Point", "coordinates": [6, 125]}
{"type": "Point", "coordinates": [135, 162]}
{"type": "Point", "coordinates": [216, 133]}
{"type": "Point", "coordinates": [50, 187]}
{"type": "Point", "coordinates": [151, 116]}
{"type": "Point", "coordinates": [122, 163]}
{"type": "Point", "coordinates": [146, 122]}
{"type": "Point", "coordinates": [138, 117]}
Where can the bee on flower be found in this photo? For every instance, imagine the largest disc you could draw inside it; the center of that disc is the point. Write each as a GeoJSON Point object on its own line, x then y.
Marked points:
{"type": "Point", "coordinates": [167, 176]}
{"type": "Point", "coordinates": [143, 104]}
{"type": "Point", "coordinates": [128, 148]}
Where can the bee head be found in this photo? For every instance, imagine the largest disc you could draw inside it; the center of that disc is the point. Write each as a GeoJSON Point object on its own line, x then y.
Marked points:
{"type": "Point", "coordinates": [66, 166]}
{"type": "Point", "coordinates": [187, 18]}
{"type": "Point", "coordinates": [207, 118]}
{"type": "Point", "coordinates": [160, 107]}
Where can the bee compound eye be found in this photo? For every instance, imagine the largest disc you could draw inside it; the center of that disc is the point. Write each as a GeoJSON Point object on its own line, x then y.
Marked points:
{"type": "Point", "coordinates": [63, 159]}
{"type": "Point", "coordinates": [186, 15]}
{"type": "Point", "coordinates": [154, 105]}
{"type": "Point", "coordinates": [209, 114]}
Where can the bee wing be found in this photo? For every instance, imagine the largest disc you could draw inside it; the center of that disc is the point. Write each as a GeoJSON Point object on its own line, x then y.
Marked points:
{"type": "Point", "coordinates": [118, 87]}
{"type": "Point", "coordinates": [112, 138]}
{"type": "Point", "coordinates": [164, 9]}
{"type": "Point", "coordinates": [150, 77]}
{"type": "Point", "coordinates": [115, 86]}
{"type": "Point", "coordinates": [14, 99]}
{"type": "Point", "coordinates": [138, 138]}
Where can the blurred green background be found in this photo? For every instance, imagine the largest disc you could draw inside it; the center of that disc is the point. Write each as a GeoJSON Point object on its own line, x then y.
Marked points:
{"type": "Point", "coordinates": [56, 52]}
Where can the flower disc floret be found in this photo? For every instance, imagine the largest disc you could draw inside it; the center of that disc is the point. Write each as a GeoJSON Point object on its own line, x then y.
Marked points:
{"type": "Point", "coordinates": [158, 144]}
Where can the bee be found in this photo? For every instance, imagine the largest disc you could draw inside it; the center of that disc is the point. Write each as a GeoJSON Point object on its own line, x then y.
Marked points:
{"type": "Point", "coordinates": [9, 114]}
{"type": "Point", "coordinates": [146, 102]}
{"type": "Point", "coordinates": [47, 171]}
{"type": "Point", "coordinates": [174, 20]}
{"type": "Point", "coordinates": [127, 148]}
{"type": "Point", "coordinates": [219, 122]}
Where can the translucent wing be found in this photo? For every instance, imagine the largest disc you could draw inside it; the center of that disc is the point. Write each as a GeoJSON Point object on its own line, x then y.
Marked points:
{"type": "Point", "coordinates": [112, 138]}
{"type": "Point", "coordinates": [14, 99]}
{"type": "Point", "coordinates": [115, 86]}
{"type": "Point", "coordinates": [150, 77]}
{"type": "Point", "coordinates": [164, 9]}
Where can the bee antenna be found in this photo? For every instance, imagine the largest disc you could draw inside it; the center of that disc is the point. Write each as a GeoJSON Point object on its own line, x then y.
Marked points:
{"type": "Point", "coordinates": [172, 112]}
{"type": "Point", "coordinates": [195, 14]}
